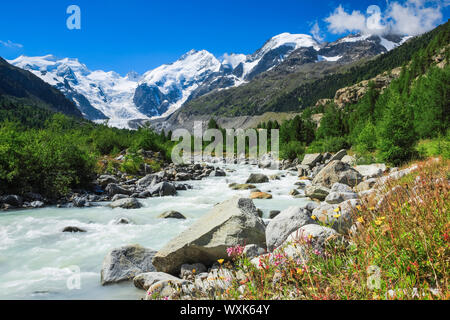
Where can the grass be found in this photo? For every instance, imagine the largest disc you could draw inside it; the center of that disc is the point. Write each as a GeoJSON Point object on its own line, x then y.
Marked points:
{"type": "Point", "coordinates": [401, 250]}
{"type": "Point", "coordinates": [435, 147]}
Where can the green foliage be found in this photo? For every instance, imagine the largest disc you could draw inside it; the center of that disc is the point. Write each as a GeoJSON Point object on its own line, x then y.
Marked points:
{"type": "Point", "coordinates": [46, 161]}
{"type": "Point", "coordinates": [329, 144]}
{"type": "Point", "coordinates": [367, 138]}
{"type": "Point", "coordinates": [396, 132]}
{"type": "Point", "coordinates": [294, 92]}
{"type": "Point", "coordinates": [292, 150]}
{"type": "Point", "coordinates": [54, 154]}
{"type": "Point", "coordinates": [332, 123]}
{"type": "Point", "coordinates": [132, 164]}
{"type": "Point", "coordinates": [439, 146]}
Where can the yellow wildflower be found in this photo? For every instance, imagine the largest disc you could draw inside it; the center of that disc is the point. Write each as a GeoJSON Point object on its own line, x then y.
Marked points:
{"type": "Point", "coordinates": [337, 216]}
{"type": "Point", "coordinates": [358, 207]}
{"type": "Point", "coordinates": [193, 270]}
{"type": "Point", "coordinates": [313, 217]}
{"type": "Point", "coordinates": [299, 271]}
{"type": "Point", "coordinates": [361, 220]}
{"type": "Point", "coordinates": [220, 261]}
{"type": "Point", "coordinates": [337, 209]}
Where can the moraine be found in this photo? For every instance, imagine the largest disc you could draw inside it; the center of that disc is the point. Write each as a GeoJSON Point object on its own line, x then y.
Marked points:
{"type": "Point", "coordinates": [37, 258]}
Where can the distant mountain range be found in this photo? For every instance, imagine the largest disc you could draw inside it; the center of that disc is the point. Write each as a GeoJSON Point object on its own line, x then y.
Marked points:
{"type": "Point", "coordinates": [101, 95]}
{"type": "Point", "coordinates": [18, 87]}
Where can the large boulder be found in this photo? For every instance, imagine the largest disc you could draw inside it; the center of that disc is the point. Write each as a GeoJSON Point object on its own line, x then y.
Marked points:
{"type": "Point", "coordinates": [337, 216]}
{"type": "Point", "coordinates": [317, 235]}
{"type": "Point", "coordinates": [125, 263]}
{"type": "Point", "coordinates": [372, 170]}
{"type": "Point", "coordinates": [163, 189]}
{"type": "Point", "coordinates": [338, 197]}
{"type": "Point", "coordinates": [257, 178]}
{"type": "Point", "coordinates": [104, 180]}
{"type": "Point", "coordinates": [284, 224]}
{"type": "Point", "coordinates": [148, 180]}
{"type": "Point", "coordinates": [112, 189]}
{"type": "Point", "coordinates": [146, 280]}
{"type": "Point", "coordinates": [170, 289]}
{"type": "Point", "coordinates": [230, 223]}
{"type": "Point", "coordinates": [12, 200]}
{"type": "Point", "coordinates": [337, 171]}
{"type": "Point", "coordinates": [339, 155]}
{"type": "Point", "coordinates": [340, 187]}
{"type": "Point", "coordinates": [350, 160]}
{"type": "Point", "coordinates": [317, 192]}
{"type": "Point", "coordinates": [127, 203]}
{"type": "Point", "coordinates": [311, 160]}
{"type": "Point", "coordinates": [366, 185]}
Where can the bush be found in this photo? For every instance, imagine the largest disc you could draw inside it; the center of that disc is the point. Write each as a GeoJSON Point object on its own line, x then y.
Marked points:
{"type": "Point", "coordinates": [332, 144]}
{"type": "Point", "coordinates": [292, 150]}
{"type": "Point", "coordinates": [44, 161]}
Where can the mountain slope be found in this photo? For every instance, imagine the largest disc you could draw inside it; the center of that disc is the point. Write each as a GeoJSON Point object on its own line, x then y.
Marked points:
{"type": "Point", "coordinates": [160, 92]}
{"type": "Point", "coordinates": [18, 84]}
{"type": "Point", "coordinates": [98, 94]}
{"type": "Point", "coordinates": [294, 85]}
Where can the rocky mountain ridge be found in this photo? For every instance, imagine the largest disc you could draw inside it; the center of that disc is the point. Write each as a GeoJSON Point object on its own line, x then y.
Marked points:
{"type": "Point", "coordinates": [101, 95]}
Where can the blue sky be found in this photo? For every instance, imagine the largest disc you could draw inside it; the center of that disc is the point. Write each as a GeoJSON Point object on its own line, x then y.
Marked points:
{"type": "Point", "coordinates": [141, 35]}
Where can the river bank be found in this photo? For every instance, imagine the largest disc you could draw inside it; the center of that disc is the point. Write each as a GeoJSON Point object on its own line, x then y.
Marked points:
{"type": "Point", "coordinates": [36, 255]}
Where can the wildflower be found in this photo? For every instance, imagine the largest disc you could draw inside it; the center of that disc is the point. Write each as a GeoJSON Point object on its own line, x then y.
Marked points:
{"type": "Point", "coordinates": [372, 208]}
{"type": "Point", "coordinates": [193, 270]}
{"type": "Point", "coordinates": [360, 220]}
{"type": "Point", "coordinates": [337, 209]}
{"type": "Point", "coordinates": [220, 261]}
{"type": "Point", "coordinates": [299, 271]}
{"type": "Point", "coordinates": [378, 222]}
{"type": "Point", "coordinates": [337, 216]}
{"type": "Point", "coordinates": [358, 207]}
{"type": "Point", "coordinates": [313, 217]}
{"type": "Point", "coordinates": [310, 237]}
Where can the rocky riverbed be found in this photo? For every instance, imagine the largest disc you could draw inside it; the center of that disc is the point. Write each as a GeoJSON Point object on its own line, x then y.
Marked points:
{"type": "Point", "coordinates": [175, 235]}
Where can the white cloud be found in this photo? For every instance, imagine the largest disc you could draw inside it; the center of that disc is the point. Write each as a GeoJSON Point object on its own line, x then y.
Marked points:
{"type": "Point", "coordinates": [340, 21]}
{"type": "Point", "coordinates": [10, 44]}
{"type": "Point", "coordinates": [316, 33]}
{"type": "Point", "coordinates": [411, 17]}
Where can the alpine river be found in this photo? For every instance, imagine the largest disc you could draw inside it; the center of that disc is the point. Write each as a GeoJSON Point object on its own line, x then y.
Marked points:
{"type": "Point", "coordinates": [37, 259]}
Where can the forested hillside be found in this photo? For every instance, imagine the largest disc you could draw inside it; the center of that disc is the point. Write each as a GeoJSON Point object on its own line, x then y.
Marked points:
{"type": "Point", "coordinates": [21, 87]}
{"type": "Point", "coordinates": [409, 118]}
{"type": "Point", "coordinates": [303, 89]}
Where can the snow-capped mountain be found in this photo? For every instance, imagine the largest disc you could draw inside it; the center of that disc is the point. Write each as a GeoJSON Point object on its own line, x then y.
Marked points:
{"type": "Point", "coordinates": [106, 95]}
{"type": "Point", "coordinates": [98, 94]}
{"type": "Point", "coordinates": [164, 89]}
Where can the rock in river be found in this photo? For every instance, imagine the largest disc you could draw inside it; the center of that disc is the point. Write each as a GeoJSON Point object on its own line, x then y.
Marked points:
{"type": "Point", "coordinates": [228, 224]}
{"type": "Point", "coordinates": [171, 215]}
{"type": "Point", "coordinates": [126, 263]}
{"type": "Point", "coordinates": [127, 203]}
{"type": "Point", "coordinates": [257, 178]}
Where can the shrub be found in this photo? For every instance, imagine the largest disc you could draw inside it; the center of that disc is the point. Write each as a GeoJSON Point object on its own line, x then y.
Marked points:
{"type": "Point", "coordinates": [292, 150]}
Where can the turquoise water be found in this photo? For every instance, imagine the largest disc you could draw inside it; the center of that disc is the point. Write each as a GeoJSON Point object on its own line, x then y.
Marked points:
{"type": "Point", "coordinates": [37, 259]}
